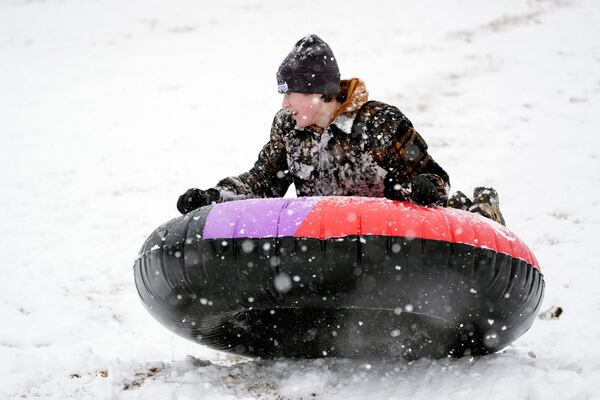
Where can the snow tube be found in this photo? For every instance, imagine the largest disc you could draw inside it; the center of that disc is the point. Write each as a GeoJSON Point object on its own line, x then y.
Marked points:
{"type": "Point", "coordinates": [339, 276]}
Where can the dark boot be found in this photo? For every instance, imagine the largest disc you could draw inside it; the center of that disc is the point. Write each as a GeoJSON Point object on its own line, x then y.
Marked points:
{"type": "Point", "coordinates": [459, 200]}
{"type": "Point", "coordinates": [486, 203]}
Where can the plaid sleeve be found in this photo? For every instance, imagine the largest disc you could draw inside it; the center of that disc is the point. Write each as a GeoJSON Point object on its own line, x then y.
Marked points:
{"type": "Point", "coordinates": [404, 151]}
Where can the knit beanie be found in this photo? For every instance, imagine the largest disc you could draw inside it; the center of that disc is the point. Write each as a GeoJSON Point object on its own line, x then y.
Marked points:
{"type": "Point", "coordinates": [309, 68]}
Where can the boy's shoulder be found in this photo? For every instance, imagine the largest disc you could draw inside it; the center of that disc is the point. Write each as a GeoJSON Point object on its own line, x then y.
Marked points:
{"type": "Point", "coordinates": [283, 122]}
{"type": "Point", "coordinates": [381, 112]}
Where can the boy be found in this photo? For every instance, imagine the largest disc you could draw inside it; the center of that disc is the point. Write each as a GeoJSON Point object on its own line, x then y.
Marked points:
{"type": "Point", "coordinates": [329, 139]}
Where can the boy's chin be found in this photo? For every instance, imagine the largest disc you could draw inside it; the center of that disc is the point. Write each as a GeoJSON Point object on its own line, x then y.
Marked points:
{"type": "Point", "coordinates": [302, 124]}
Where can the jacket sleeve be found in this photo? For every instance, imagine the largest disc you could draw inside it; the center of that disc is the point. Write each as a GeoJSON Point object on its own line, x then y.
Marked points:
{"type": "Point", "coordinates": [269, 177]}
{"type": "Point", "coordinates": [404, 151]}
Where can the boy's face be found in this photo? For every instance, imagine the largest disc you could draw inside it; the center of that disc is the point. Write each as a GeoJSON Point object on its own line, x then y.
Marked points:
{"type": "Point", "coordinates": [304, 107]}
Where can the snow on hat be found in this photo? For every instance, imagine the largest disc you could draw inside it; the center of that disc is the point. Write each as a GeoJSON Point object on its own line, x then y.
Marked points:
{"type": "Point", "coordinates": [309, 68]}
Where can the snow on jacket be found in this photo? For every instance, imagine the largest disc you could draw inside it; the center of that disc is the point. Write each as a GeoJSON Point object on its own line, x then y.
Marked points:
{"type": "Point", "coordinates": [351, 156]}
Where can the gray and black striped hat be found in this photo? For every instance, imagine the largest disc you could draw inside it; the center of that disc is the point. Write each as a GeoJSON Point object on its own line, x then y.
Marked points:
{"type": "Point", "coordinates": [309, 68]}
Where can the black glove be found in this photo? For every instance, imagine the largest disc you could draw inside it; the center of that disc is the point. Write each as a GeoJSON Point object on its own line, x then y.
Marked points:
{"type": "Point", "coordinates": [194, 198]}
{"type": "Point", "coordinates": [423, 191]}
{"type": "Point", "coordinates": [393, 188]}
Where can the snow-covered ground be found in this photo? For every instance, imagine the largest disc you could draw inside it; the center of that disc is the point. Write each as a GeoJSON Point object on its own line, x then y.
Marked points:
{"type": "Point", "coordinates": [110, 109]}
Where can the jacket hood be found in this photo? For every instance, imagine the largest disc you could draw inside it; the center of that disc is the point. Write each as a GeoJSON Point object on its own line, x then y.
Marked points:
{"type": "Point", "coordinates": [356, 96]}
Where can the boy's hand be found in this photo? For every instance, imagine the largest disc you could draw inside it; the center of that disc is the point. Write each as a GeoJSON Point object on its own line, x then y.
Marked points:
{"type": "Point", "coordinates": [423, 191]}
{"type": "Point", "coordinates": [195, 198]}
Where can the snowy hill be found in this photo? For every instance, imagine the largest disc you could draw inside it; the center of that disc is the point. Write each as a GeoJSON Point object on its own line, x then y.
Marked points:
{"type": "Point", "coordinates": [109, 110]}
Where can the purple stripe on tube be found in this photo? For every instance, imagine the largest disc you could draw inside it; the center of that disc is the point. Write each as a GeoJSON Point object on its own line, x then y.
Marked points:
{"type": "Point", "coordinates": [257, 218]}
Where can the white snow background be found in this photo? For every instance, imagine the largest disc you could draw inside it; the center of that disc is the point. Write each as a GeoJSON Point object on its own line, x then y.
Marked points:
{"type": "Point", "coordinates": [110, 109]}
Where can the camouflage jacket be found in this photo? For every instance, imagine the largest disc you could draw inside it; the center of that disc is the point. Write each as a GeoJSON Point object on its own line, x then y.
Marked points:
{"type": "Point", "coordinates": [352, 156]}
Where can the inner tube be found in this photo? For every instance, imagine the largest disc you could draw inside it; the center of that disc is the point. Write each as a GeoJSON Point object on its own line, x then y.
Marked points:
{"type": "Point", "coordinates": [339, 276]}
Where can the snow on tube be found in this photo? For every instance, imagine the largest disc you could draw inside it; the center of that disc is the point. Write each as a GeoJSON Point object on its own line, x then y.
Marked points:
{"type": "Point", "coordinates": [339, 276]}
